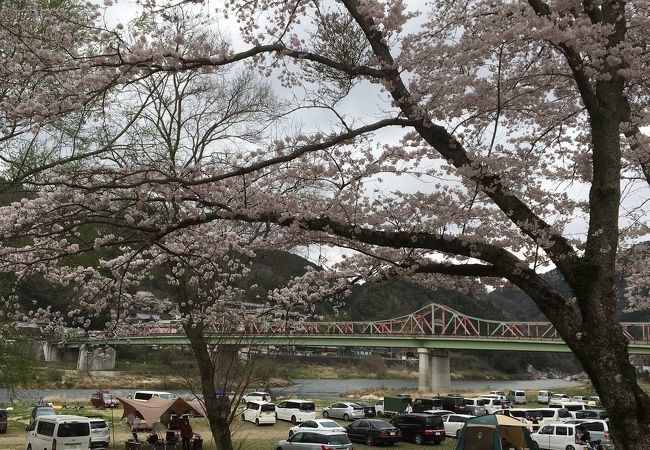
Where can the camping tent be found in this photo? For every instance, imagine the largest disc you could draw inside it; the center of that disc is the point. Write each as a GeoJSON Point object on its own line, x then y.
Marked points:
{"type": "Point", "coordinates": [155, 407]}
{"type": "Point", "coordinates": [495, 432]}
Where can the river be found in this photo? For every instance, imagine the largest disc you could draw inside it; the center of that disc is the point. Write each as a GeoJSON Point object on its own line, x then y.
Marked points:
{"type": "Point", "coordinates": [327, 389]}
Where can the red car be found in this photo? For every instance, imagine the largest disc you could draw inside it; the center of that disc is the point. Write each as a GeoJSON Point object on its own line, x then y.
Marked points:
{"type": "Point", "coordinates": [103, 399]}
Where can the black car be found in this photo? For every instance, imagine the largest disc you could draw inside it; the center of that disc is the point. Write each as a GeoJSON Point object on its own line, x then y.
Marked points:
{"type": "Point", "coordinates": [600, 414]}
{"type": "Point", "coordinates": [368, 409]}
{"type": "Point", "coordinates": [420, 428]}
{"type": "Point", "coordinates": [454, 403]}
{"type": "Point", "coordinates": [425, 404]}
{"type": "Point", "coordinates": [373, 431]}
{"type": "Point", "coordinates": [41, 410]}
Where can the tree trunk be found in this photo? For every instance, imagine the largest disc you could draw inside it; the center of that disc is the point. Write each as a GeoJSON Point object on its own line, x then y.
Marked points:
{"type": "Point", "coordinates": [217, 407]}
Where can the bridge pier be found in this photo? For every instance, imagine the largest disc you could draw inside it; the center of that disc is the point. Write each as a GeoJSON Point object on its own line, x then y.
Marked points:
{"type": "Point", "coordinates": [51, 352]}
{"type": "Point", "coordinates": [434, 374]}
{"type": "Point", "coordinates": [95, 359]}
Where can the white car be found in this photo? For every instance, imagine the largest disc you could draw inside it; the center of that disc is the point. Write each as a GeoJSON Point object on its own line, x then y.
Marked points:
{"type": "Point", "coordinates": [318, 426]}
{"type": "Point", "coordinates": [99, 433]}
{"type": "Point", "coordinates": [558, 436]}
{"type": "Point", "coordinates": [379, 407]}
{"type": "Point", "coordinates": [344, 410]}
{"type": "Point", "coordinates": [454, 423]}
{"type": "Point", "coordinates": [438, 412]}
{"type": "Point", "coordinates": [296, 411]}
{"type": "Point", "coordinates": [256, 397]}
{"type": "Point", "coordinates": [500, 394]}
{"type": "Point", "coordinates": [259, 412]}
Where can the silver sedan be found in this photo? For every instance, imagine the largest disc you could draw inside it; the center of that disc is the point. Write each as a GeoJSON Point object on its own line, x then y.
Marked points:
{"type": "Point", "coordinates": [345, 411]}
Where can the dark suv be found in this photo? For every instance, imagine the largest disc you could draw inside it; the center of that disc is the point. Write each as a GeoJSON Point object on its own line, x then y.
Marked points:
{"type": "Point", "coordinates": [420, 428]}
{"type": "Point", "coordinates": [3, 420]}
{"type": "Point", "coordinates": [424, 404]}
{"type": "Point", "coordinates": [454, 403]}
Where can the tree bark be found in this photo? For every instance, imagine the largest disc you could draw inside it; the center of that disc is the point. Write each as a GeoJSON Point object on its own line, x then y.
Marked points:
{"type": "Point", "coordinates": [217, 409]}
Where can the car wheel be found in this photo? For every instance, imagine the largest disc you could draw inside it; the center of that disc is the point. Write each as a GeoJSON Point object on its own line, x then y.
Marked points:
{"type": "Point", "coordinates": [326, 414]}
{"type": "Point", "coordinates": [346, 417]}
{"type": "Point", "coordinates": [243, 417]}
{"type": "Point", "coordinates": [419, 439]}
{"type": "Point", "coordinates": [570, 447]}
{"type": "Point", "coordinates": [380, 413]}
{"type": "Point", "coordinates": [369, 441]}
{"type": "Point", "coordinates": [457, 434]}
{"type": "Point", "coordinates": [293, 420]}
{"type": "Point", "coordinates": [257, 422]}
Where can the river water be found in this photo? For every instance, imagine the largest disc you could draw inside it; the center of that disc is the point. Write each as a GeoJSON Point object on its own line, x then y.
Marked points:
{"type": "Point", "coordinates": [327, 389]}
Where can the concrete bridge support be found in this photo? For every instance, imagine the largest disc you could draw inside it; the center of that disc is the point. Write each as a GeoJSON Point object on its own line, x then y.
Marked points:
{"type": "Point", "coordinates": [434, 374]}
{"type": "Point", "coordinates": [95, 359]}
{"type": "Point", "coordinates": [52, 352]}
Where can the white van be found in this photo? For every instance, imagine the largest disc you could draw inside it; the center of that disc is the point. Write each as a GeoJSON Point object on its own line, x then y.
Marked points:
{"type": "Point", "coordinates": [62, 432]}
{"type": "Point", "coordinates": [259, 412]}
{"type": "Point", "coordinates": [549, 415]}
{"type": "Point", "coordinates": [543, 396]}
{"type": "Point", "coordinates": [146, 395]}
{"type": "Point", "coordinates": [571, 406]}
{"type": "Point", "coordinates": [558, 436]}
{"type": "Point", "coordinates": [517, 397]}
{"type": "Point", "coordinates": [296, 411]}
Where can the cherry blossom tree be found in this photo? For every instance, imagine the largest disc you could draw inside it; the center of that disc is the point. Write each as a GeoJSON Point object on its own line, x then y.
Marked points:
{"type": "Point", "coordinates": [518, 126]}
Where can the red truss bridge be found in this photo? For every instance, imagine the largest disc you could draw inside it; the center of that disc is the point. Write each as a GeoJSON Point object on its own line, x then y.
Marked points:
{"type": "Point", "coordinates": [438, 320]}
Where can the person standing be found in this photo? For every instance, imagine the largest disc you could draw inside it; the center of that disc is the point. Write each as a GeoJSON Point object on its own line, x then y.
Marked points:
{"type": "Point", "coordinates": [186, 434]}
{"type": "Point", "coordinates": [409, 408]}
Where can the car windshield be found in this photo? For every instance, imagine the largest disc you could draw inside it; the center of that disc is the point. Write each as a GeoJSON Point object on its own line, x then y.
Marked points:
{"type": "Point", "coordinates": [307, 407]}
{"type": "Point", "coordinates": [330, 424]}
{"type": "Point", "coordinates": [98, 424]}
{"type": "Point", "coordinates": [73, 429]}
{"type": "Point", "coordinates": [108, 396]}
{"type": "Point", "coordinates": [334, 439]}
{"type": "Point", "coordinates": [167, 396]}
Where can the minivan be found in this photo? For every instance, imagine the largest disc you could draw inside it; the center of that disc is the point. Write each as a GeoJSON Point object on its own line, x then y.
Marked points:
{"type": "Point", "coordinates": [146, 395]}
{"type": "Point", "coordinates": [571, 406]}
{"type": "Point", "coordinates": [64, 432]}
{"type": "Point", "coordinates": [296, 411]}
{"type": "Point", "coordinates": [259, 412]}
{"type": "Point", "coordinates": [558, 436]}
{"type": "Point", "coordinates": [420, 428]}
{"type": "Point", "coordinates": [454, 403]}
{"type": "Point", "coordinates": [423, 404]}
{"type": "Point", "coordinates": [549, 415]}
{"type": "Point", "coordinates": [543, 396]}
{"type": "Point", "coordinates": [475, 406]}
{"type": "Point", "coordinates": [517, 397]}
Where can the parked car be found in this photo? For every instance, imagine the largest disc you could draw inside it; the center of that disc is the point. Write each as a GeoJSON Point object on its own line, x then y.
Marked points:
{"type": "Point", "coordinates": [63, 432]}
{"type": "Point", "coordinates": [475, 406]}
{"type": "Point", "coordinates": [599, 414]}
{"type": "Point", "coordinates": [41, 410]}
{"type": "Point", "coordinates": [438, 412]}
{"type": "Point", "coordinates": [379, 407]}
{"type": "Point", "coordinates": [558, 436]}
{"type": "Point", "coordinates": [500, 394]}
{"type": "Point", "coordinates": [594, 402]}
{"type": "Point", "coordinates": [343, 410]}
{"type": "Point", "coordinates": [493, 404]}
{"type": "Point", "coordinates": [558, 397]}
{"type": "Point", "coordinates": [259, 412]}
{"type": "Point", "coordinates": [515, 397]}
{"type": "Point", "coordinates": [580, 398]}
{"type": "Point", "coordinates": [100, 436]}
{"type": "Point", "coordinates": [103, 399]}
{"type": "Point", "coordinates": [423, 404]}
{"type": "Point", "coordinates": [296, 411]}
{"type": "Point", "coordinates": [307, 440]}
{"type": "Point", "coordinates": [3, 420]}
{"type": "Point", "coordinates": [373, 431]}
{"type": "Point", "coordinates": [256, 397]}
{"type": "Point", "coordinates": [368, 409]}
{"type": "Point", "coordinates": [420, 428]}
{"type": "Point", "coordinates": [319, 425]}
{"type": "Point", "coordinates": [454, 403]}
{"type": "Point", "coordinates": [146, 395]}
{"type": "Point", "coordinates": [570, 406]}
{"type": "Point", "coordinates": [549, 415]}
{"type": "Point", "coordinates": [543, 396]}
{"type": "Point", "coordinates": [453, 423]}
{"type": "Point", "coordinates": [598, 430]}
